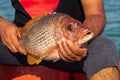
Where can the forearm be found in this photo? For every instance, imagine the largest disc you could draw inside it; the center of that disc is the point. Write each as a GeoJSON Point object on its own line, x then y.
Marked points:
{"type": "Point", "coordinates": [96, 23]}
{"type": "Point", "coordinates": [2, 21]}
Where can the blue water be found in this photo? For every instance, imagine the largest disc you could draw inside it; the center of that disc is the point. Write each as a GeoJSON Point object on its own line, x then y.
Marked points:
{"type": "Point", "coordinates": [112, 9]}
{"type": "Point", "coordinates": [112, 30]}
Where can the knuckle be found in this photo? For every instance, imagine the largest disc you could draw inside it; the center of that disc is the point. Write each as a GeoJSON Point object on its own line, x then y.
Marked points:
{"type": "Point", "coordinates": [79, 59]}
{"type": "Point", "coordinates": [14, 51]}
{"type": "Point", "coordinates": [84, 55]}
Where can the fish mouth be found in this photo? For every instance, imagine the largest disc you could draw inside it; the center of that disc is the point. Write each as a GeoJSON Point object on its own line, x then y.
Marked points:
{"type": "Point", "coordinates": [87, 36]}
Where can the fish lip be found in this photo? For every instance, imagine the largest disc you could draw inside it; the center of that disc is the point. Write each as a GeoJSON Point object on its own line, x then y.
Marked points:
{"type": "Point", "coordinates": [86, 37]}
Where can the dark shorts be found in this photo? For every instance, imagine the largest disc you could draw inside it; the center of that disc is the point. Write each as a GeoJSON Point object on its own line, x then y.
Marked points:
{"type": "Point", "coordinates": [102, 53]}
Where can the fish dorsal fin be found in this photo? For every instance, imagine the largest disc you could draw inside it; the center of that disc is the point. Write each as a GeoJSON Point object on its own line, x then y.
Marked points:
{"type": "Point", "coordinates": [29, 23]}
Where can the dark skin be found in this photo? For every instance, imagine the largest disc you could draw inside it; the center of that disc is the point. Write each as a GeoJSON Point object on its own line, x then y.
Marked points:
{"type": "Point", "coordinates": [94, 19]}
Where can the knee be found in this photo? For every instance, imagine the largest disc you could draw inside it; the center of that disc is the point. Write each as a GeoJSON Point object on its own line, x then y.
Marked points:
{"type": "Point", "coordinates": [102, 44]}
{"type": "Point", "coordinates": [107, 73]}
{"type": "Point", "coordinates": [102, 41]}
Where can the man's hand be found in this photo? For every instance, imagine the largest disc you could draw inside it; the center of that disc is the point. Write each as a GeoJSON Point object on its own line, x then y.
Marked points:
{"type": "Point", "coordinates": [70, 52]}
{"type": "Point", "coordinates": [9, 34]}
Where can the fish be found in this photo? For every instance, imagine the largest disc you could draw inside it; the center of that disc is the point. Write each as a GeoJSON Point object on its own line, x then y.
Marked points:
{"type": "Point", "coordinates": [40, 35]}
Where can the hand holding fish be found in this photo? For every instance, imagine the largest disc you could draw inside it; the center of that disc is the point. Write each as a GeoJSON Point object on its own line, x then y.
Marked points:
{"type": "Point", "coordinates": [9, 33]}
{"type": "Point", "coordinates": [70, 52]}
{"type": "Point", "coordinates": [40, 35]}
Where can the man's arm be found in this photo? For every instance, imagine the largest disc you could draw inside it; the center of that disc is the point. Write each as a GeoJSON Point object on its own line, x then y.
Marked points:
{"type": "Point", "coordinates": [94, 15]}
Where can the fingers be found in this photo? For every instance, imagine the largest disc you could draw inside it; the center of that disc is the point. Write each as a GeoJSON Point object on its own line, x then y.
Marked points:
{"type": "Point", "coordinates": [9, 33]}
{"type": "Point", "coordinates": [12, 43]}
{"type": "Point", "coordinates": [76, 50]}
{"type": "Point", "coordinates": [7, 43]}
{"type": "Point", "coordinates": [70, 52]}
{"type": "Point", "coordinates": [17, 45]}
{"type": "Point", "coordinates": [63, 54]}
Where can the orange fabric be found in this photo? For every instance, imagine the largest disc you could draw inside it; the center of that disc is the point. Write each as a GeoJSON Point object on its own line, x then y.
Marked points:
{"type": "Point", "coordinates": [31, 73]}
{"type": "Point", "coordinates": [38, 7]}
{"type": "Point", "coordinates": [27, 77]}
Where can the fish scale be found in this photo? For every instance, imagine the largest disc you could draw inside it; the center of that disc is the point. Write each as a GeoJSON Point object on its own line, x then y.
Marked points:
{"type": "Point", "coordinates": [39, 36]}
{"type": "Point", "coordinates": [42, 40]}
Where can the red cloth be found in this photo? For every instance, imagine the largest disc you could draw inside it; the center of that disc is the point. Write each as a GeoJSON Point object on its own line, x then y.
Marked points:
{"type": "Point", "coordinates": [38, 7]}
{"type": "Point", "coordinates": [36, 73]}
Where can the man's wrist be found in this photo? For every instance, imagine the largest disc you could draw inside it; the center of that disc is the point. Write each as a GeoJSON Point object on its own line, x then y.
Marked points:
{"type": "Point", "coordinates": [96, 23]}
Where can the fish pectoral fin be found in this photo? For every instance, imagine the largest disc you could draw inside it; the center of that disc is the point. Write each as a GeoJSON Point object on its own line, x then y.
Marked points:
{"type": "Point", "coordinates": [32, 60]}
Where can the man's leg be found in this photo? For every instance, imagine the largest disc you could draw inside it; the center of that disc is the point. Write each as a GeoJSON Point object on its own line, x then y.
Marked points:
{"type": "Point", "coordinates": [111, 73]}
{"type": "Point", "coordinates": [102, 62]}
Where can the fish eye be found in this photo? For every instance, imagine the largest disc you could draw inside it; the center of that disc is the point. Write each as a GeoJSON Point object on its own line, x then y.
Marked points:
{"type": "Point", "coordinates": [70, 27]}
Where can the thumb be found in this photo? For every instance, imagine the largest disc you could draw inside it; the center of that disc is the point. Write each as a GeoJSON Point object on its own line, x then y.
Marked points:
{"type": "Point", "coordinates": [19, 33]}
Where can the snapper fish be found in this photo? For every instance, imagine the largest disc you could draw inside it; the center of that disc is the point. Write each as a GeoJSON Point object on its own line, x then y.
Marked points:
{"type": "Point", "coordinates": [39, 36]}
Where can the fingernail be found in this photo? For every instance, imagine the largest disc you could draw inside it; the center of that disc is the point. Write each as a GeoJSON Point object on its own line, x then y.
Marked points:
{"type": "Point", "coordinates": [58, 41]}
{"type": "Point", "coordinates": [78, 59]}
{"type": "Point", "coordinates": [69, 42]}
{"type": "Point", "coordinates": [19, 35]}
{"type": "Point", "coordinates": [25, 54]}
{"type": "Point", "coordinates": [63, 39]}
